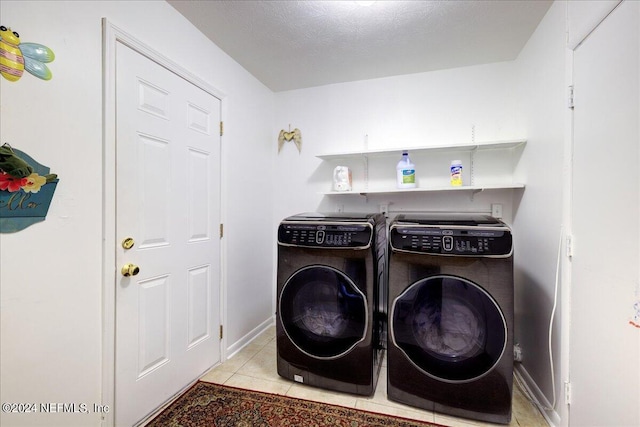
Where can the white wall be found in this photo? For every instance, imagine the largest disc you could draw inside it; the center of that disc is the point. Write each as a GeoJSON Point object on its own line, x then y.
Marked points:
{"type": "Point", "coordinates": [425, 109]}
{"type": "Point", "coordinates": [417, 110]}
{"type": "Point", "coordinates": [538, 215]}
{"type": "Point", "coordinates": [50, 277]}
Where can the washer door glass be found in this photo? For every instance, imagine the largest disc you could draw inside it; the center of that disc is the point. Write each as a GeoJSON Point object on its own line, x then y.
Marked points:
{"type": "Point", "coordinates": [323, 312]}
{"type": "Point", "coordinates": [449, 327]}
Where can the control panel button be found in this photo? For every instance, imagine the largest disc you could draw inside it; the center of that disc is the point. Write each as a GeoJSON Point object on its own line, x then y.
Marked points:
{"type": "Point", "coordinates": [447, 243]}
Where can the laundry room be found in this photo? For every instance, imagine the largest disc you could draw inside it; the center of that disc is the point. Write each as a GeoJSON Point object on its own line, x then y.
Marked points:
{"type": "Point", "coordinates": [547, 137]}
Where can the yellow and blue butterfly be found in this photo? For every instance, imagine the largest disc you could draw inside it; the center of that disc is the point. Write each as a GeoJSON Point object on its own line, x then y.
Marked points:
{"type": "Point", "coordinates": [15, 57]}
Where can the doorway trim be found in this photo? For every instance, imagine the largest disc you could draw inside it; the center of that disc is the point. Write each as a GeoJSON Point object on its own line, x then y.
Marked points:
{"type": "Point", "coordinates": [111, 36]}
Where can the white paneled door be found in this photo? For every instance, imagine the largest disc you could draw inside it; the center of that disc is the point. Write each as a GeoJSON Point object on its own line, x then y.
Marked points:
{"type": "Point", "coordinates": [168, 193]}
{"type": "Point", "coordinates": [604, 351]}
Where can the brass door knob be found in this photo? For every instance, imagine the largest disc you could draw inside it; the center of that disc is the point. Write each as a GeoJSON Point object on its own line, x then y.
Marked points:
{"type": "Point", "coordinates": [130, 270]}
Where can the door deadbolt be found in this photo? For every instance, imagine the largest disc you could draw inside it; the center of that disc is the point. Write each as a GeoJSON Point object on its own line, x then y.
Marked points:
{"type": "Point", "coordinates": [130, 270]}
{"type": "Point", "coordinates": [128, 243]}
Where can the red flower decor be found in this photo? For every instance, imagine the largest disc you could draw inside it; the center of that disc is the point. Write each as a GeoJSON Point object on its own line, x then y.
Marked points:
{"type": "Point", "coordinates": [7, 182]}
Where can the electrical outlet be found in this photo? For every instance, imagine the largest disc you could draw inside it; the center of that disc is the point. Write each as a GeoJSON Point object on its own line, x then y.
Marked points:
{"type": "Point", "coordinates": [496, 210]}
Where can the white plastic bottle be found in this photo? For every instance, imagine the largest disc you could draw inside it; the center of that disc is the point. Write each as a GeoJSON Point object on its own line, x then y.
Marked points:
{"type": "Point", "coordinates": [456, 173]}
{"type": "Point", "coordinates": [406, 172]}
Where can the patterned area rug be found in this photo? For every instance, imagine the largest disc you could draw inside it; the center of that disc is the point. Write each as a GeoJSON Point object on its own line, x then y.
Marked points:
{"type": "Point", "coordinates": [210, 405]}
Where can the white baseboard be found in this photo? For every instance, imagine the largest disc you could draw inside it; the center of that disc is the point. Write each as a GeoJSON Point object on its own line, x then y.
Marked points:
{"type": "Point", "coordinates": [246, 340]}
{"type": "Point", "coordinates": [536, 396]}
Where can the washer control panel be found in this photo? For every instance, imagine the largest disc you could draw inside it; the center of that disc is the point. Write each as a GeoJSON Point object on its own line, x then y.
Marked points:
{"type": "Point", "coordinates": [325, 235]}
{"type": "Point", "coordinates": [474, 241]}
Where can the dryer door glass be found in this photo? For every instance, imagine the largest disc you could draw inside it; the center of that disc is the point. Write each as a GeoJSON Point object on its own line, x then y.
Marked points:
{"type": "Point", "coordinates": [323, 312]}
{"type": "Point", "coordinates": [449, 327]}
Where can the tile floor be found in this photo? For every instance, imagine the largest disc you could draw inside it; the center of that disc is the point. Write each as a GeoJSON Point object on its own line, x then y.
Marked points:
{"type": "Point", "coordinates": [254, 368]}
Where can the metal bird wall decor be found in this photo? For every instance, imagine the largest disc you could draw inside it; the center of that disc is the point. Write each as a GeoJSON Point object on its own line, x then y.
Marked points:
{"type": "Point", "coordinates": [294, 135]}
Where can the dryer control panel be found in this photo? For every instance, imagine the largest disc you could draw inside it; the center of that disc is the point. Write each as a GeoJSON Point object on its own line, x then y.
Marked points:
{"type": "Point", "coordinates": [325, 235]}
{"type": "Point", "coordinates": [474, 241]}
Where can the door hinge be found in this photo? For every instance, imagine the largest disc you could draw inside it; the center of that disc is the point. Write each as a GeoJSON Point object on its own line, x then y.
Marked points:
{"type": "Point", "coordinates": [221, 330]}
{"type": "Point", "coordinates": [570, 100]}
{"type": "Point", "coordinates": [221, 128]}
{"type": "Point", "coordinates": [221, 231]}
{"type": "Point", "coordinates": [569, 246]}
{"type": "Point", "coordinates": [567, 393]}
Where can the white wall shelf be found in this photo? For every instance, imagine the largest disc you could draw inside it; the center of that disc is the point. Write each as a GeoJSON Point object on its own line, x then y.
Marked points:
{"type": "Point", "coordinates": [474, 189]}
{"type": "Point", "coordinates": [490, 167]}
{"type": "Point", "coordinates": [397, 152]}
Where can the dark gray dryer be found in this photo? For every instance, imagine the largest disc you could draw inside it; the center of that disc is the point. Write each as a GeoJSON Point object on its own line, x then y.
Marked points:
{"type": "Point", "coordinates": [331, 318]}
{"type": "Point", "coordinates": [451, 315]}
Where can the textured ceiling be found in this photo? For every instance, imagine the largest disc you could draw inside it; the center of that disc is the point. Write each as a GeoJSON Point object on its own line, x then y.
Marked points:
{"type": "Point", "coordinates": [297, 44]}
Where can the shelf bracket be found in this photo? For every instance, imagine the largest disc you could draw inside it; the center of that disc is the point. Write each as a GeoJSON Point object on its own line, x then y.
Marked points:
{"type": "Point", "coordinates": [474, 192]}
{"type": "Point", "coordinates": [472, 172]}
{"type": "Point", "coordinates": [365, 159]}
